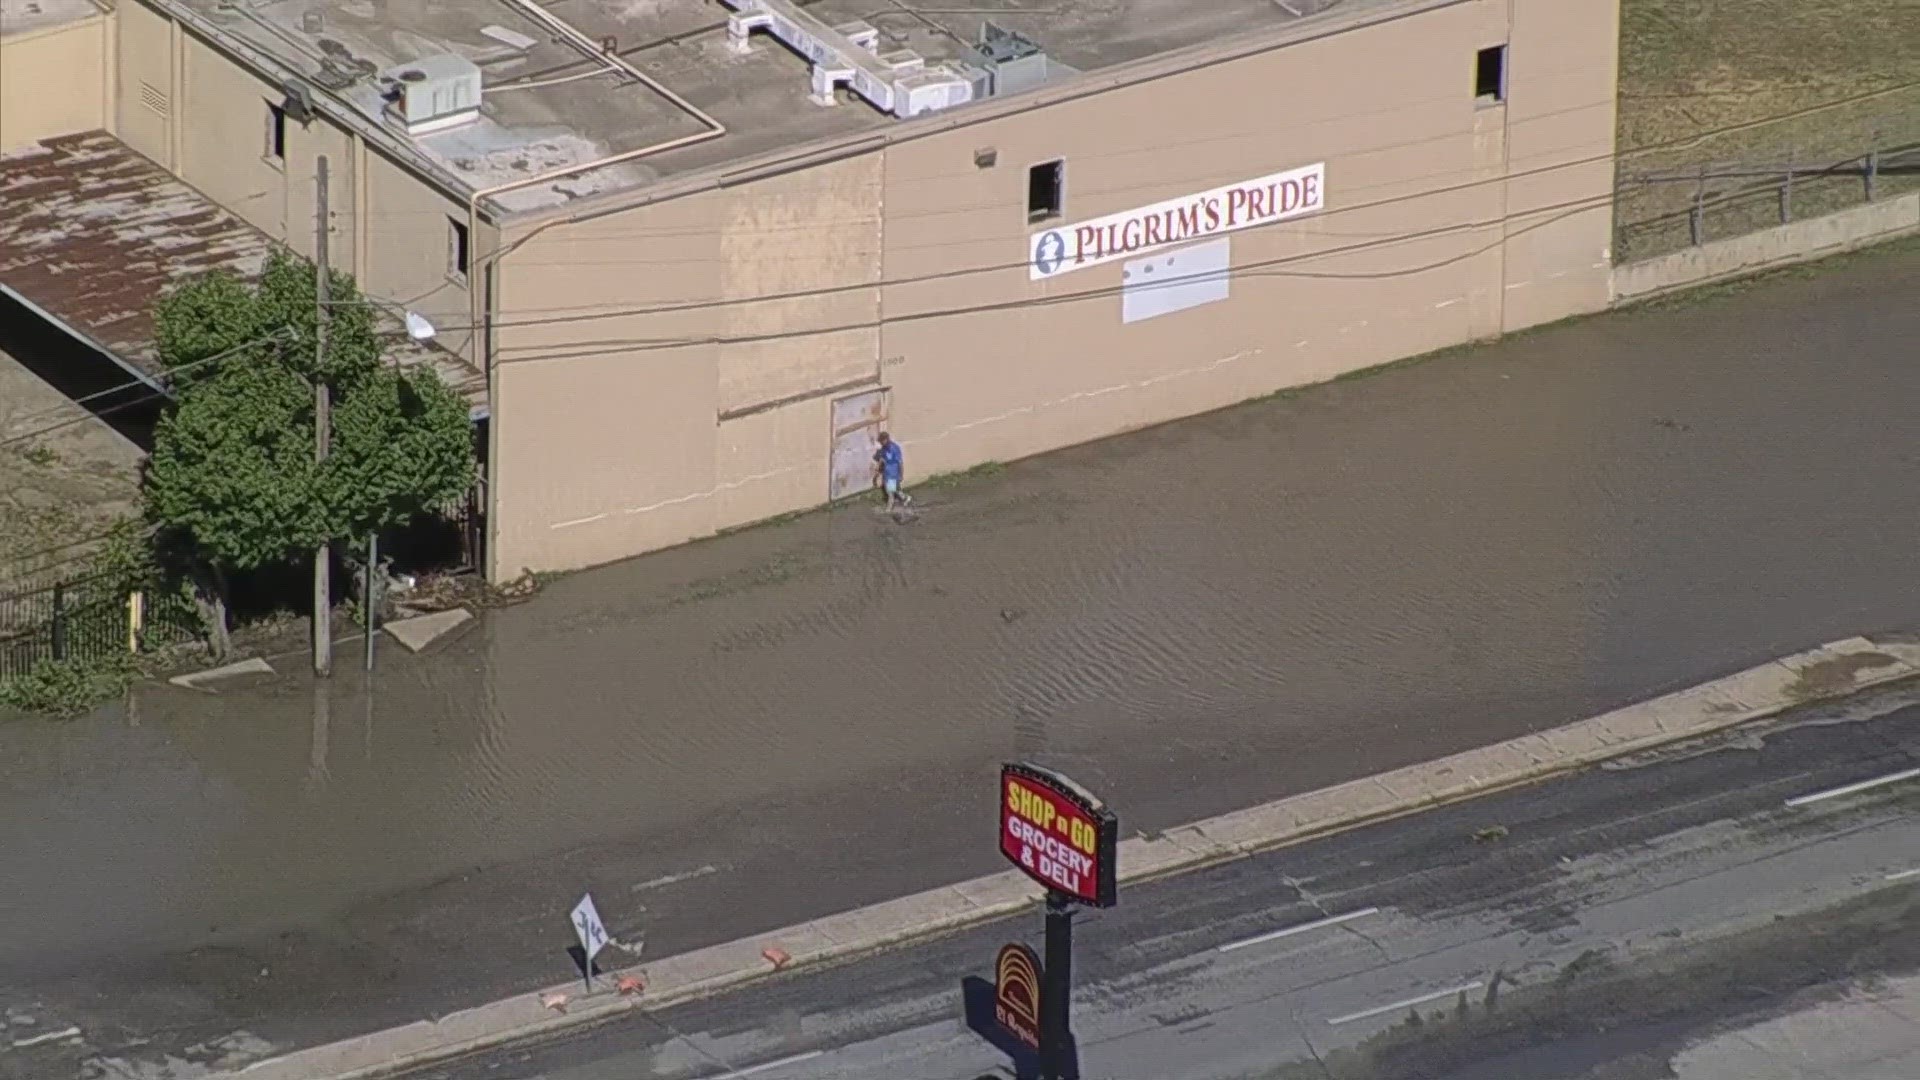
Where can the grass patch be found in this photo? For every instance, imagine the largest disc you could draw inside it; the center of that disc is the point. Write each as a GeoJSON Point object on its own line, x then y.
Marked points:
{"type": "Point", "coordinates": [977, 472]}
{"type": "Point", "coordinates": [1758, 83]}
{"type": "Point", "coordinates": [68, 688]}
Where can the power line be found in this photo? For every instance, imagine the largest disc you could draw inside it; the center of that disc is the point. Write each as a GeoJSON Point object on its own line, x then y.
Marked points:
{"type": "Point", "coordinates": [1262, 268]}
{"type": "Point", "coordinates": [948, 275]}
{"type": "Point", "coordinates": [150, 395]}
{"type": "Point", "coordinates": [167, 374]}
{"type": "Point", "coordinates": [587, 314]}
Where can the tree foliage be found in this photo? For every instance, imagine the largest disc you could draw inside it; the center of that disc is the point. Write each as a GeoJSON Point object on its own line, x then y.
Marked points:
{"type": "Point", "coordinates": [211, 321]}
{"type": "Point", "coordinates": [232, 468]}
{"type": "Point", "coordinates": [232, 476]}
{"type": "Point", "coordinates": [402, 446]}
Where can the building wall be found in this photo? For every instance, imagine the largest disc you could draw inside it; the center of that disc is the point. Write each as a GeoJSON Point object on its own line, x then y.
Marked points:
{"type": "Point", "coordinates": [752, 429]}
{"type": "Point", "coordinates": [406, 238]}
{"type": "Point", "coordinates": [53, 81]}
{"type": "Point", "coordinates": [144, 76]}
{"type": "Point", "coordinates": [206, 117]}
{"type": "Point", "coordinates": [1559, 229]}
{"type": "Point", "coordinates": [1447, 219]}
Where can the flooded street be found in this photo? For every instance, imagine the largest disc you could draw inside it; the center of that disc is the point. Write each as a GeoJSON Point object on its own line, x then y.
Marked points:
{"type": "Point", "coordinates": [794, 720]}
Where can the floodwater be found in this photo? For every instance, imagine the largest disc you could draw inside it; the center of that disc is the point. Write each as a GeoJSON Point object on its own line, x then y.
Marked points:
{"type": "Point", "coordinates": [754, 730]}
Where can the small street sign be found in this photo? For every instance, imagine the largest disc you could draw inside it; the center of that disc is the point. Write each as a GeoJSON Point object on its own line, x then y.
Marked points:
{"type": "Point", "coordinates": [591, 932]}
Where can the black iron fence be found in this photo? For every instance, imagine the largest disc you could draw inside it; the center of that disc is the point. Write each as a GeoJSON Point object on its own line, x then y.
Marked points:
{"type": "Point", "coordinates": [88, 619]}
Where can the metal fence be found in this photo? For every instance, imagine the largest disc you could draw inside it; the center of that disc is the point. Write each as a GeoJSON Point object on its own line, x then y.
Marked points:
{"type": "Point", "coordinates": [88, 619]}
{"type": "Point", "coordinates": [1713, 200]}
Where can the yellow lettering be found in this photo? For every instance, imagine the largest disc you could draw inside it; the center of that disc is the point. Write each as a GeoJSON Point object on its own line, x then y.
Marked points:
{"type": "Point", "coordinates": [1014, 791]}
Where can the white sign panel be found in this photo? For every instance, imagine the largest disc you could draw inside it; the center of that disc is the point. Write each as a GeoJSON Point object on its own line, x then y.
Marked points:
{"type": "Point", "coordinates": [586, 924]}
{"type": "Point", "coordinates": [1175, 280]}
{"type": "Point", "coordinates": [1290, 194]}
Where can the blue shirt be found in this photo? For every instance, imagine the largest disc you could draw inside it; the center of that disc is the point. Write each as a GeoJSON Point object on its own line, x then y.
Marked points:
{"type": "Point", "coordinates": [890, 460]}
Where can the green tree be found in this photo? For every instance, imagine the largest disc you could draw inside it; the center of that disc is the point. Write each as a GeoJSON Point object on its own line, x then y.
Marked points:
{"type": "Point", "coordinates": [232, 481]}
{"type": "Point", "coordinates": [232, 478]}
{"type": "Point", "coordinates": [402, 447]}
{"type": "Point", "coordinates": [217, 319]}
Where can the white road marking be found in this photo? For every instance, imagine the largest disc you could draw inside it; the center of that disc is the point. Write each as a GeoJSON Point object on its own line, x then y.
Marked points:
{"type": "Point", "coordinates": [1408, 1004]}
{"type": "Point", "coordinates": [51, 1036]}
{"type": "Point", "coordinates": [675, 879]}
{"type": "Point", "coordinates": [1850, 789]}
{"type": "Point", "coordinates": [1331, 920]}
{"type": "Point", "coordinates": [771, 1065]}
{"type": "Point", "coordinates": [1904, 874]}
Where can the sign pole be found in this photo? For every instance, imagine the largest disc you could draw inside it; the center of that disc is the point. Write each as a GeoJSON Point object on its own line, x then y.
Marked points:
{"type": "Point", "coordinates": [1056, 995]}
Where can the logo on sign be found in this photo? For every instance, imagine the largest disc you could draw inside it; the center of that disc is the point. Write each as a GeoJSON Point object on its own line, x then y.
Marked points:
{"type": "Point", "coordinates": [1016, 993]}
{"type": "Point", "coordinates": [1249, 204]}
{"type": "Point", "coordinates": [1049, 251]}
{"type": "Point", "coordinates": [1058, 834]}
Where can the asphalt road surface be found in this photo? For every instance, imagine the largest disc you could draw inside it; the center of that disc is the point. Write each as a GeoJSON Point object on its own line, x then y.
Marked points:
{"type": "Point", "coordinates": [1601, 925]}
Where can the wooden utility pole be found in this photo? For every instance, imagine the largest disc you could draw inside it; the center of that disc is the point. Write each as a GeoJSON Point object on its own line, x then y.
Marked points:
{"type": "Point", "coordinates": [322, 429]}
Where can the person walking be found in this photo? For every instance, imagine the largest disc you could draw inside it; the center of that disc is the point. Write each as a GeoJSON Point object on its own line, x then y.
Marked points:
{"type": "Point", "coordinates": [890, 464]}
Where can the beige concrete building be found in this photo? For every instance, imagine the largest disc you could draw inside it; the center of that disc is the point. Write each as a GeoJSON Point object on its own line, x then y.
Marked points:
{"type": "Point", "coordinates": [55, 77]}
{"type": "Point", "coordinates": [702, 253]}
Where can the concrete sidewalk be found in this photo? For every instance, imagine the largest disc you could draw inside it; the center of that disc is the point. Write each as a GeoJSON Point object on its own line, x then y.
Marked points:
{"type": "Point", "coordinates": [1833, 670]}
{"type": "Point", "coordinates": [1870, 1034]}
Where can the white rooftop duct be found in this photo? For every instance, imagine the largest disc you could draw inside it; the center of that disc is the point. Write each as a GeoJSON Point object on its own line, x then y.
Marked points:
{"type": "Point", "coordinates": [899, 83]}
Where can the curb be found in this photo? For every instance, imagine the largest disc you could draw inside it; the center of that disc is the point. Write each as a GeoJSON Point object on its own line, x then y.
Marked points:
{"type": "Point", "coordinates": [1830, 671]}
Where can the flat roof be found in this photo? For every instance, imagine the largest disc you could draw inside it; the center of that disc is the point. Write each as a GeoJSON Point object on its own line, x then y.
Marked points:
{"type": "Point", "coordinates": [550, 102]}
{"type": "Point", "coordinates": [96, 234]}
{"type": "Point", "coordinates": [26, 16]}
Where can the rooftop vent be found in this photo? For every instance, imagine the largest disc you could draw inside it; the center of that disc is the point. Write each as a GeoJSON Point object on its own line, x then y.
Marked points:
{"type": "Point", "coordinates": [1014, 61]}
{"type": "Point", "coordinates": [901, 83]}
{"type": "Point", "coordinates": [433, 93]}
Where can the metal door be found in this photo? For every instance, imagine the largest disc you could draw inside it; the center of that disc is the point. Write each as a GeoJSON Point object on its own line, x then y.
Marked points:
{"type": "Point", "coordinates": [856, 435]}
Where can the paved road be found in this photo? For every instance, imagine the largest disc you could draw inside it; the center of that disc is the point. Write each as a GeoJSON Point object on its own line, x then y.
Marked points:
{"type": "Point", "coordinates": [1630, 915]}
{"type": "Point", "coordinates": [793, 721]}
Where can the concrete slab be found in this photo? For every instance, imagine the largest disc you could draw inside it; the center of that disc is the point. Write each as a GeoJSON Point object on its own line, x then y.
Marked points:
{"type": "Point", "coordinates": [1001, 891]}
{"type": "Point", "coordinates": [1840, 667]}
{"type": "Point", "coordinates": [1199, 844]}
{"type": "Point", "coordinates": [1702, 708]}
{"type": "Point", "coordinates": [679, 975]}
{"type": "Point", "coordinates": [1255, 826]}
{"type": "Point", "coordinates": [1905, 651]}
{"type": "Point", "coordinates": [419, 632]}
{"type": "Point", "coordinates": [249, 670]}
{"type": "Point", "coordinates": [1760, 687]}
{"type": "Point", "coordinates": [1141, 857]}
{"type": "Point", "coordinates": [881, 924]}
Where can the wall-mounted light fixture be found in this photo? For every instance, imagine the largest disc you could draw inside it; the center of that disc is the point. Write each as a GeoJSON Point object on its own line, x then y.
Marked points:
{"type": "Point", "coordinates": [985, 157]}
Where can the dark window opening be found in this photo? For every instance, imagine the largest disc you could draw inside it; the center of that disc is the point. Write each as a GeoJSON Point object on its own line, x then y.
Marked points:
{"type": "Point", "coordinates": [1046, 190]}
{"type": "Point", "coordinates": [457, 249]}
{"type": "Point", "coordinates": [1490, 75]}
{"type": "Point", "coordinates": [276, 132]}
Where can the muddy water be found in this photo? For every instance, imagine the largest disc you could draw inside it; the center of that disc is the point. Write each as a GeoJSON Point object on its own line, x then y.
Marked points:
{"type": "Point", "coordinates": [804, 718]}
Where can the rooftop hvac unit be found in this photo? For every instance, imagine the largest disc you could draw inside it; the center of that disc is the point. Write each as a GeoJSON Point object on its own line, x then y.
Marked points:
{"type": "Point", "coordinates": [433, 93]}
{"type": "Point", "coordinates": [1015, 61]}
{"type": "Point", "coordinates": [939, 87]}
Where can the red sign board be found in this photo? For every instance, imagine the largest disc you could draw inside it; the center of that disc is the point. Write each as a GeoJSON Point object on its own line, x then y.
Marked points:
{"type": "Point", "coordinates": [1058, 834]}
{"type": "Point", "coordinates": [1016, 993]}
